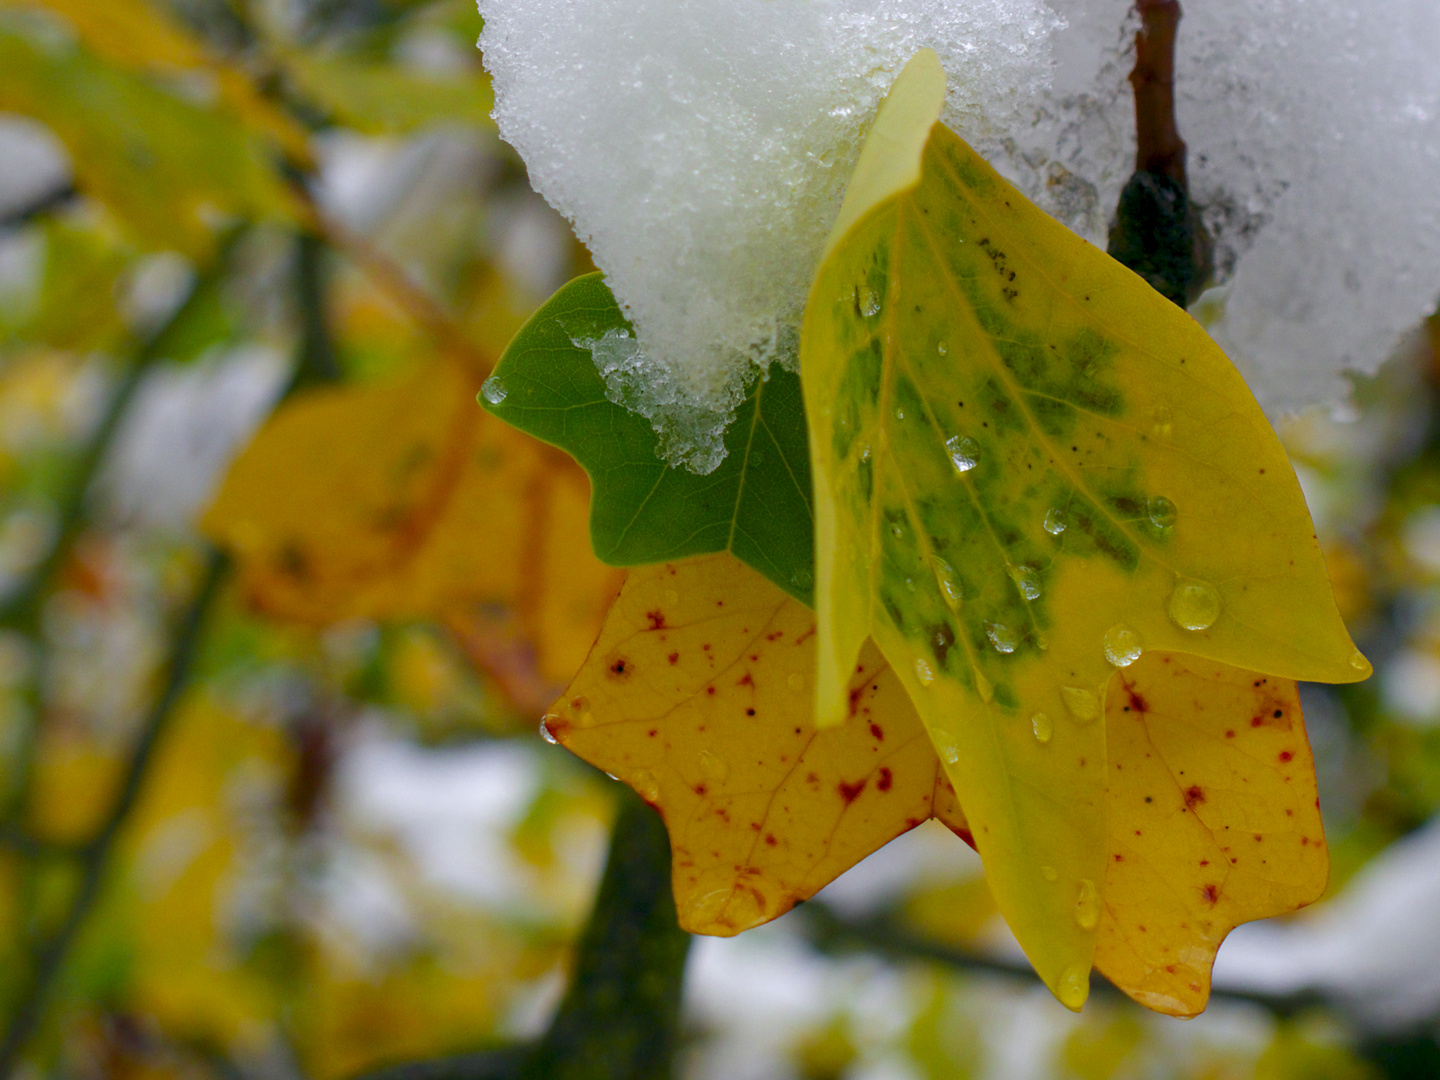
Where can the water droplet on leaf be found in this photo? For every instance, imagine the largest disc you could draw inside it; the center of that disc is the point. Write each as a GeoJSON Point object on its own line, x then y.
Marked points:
{"type": "Point", "coordinates": [713, 766]}
{"type": "Point", "coordinates": [646, 786]}
{"type": "Point", "coordinates": [1194, 605]}
{"type": "Point", "coordinates": [1074, 986]}
{"type": "Point", "coordinates": [796, 681]}
{"type": "Point", "coordinates": [1056, 521]}
{"type": "Point", "coordinates": [1001, 636]}
{"type": "Point", "coordinates": [1162, 512]}
{"type": "Point", "coordinates": [544, 728]}
{"type": "Point", "coordinates": [1049, 873]}
{"type": "Point", "coordinates": [1043, 727]}
{"type": "Point", "coordinates": [493, 390]}
{"type": "Point", "coordinates": [1122, 645]}
{"type": "Point", "coordinates": [949, 584]}
{"type": "Point", "coordinates": [923, 672]}
{"type": "Point", "coordinates": [942, 348]}
{"type": "Point", "coordinates": [964, 452]}
{"type": "Point", "coordinates": [1084, 705]}
{"type": "Point", "coordinates": [1087, 905]}
{"type": "Point", "coordinates": [868, 300]}
{"type": "Point", "coordinates": [1358, 661]}
{"type": "Point", "coordinates": [1027, 580]}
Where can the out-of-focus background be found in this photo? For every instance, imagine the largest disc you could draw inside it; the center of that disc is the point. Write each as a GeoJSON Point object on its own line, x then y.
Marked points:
{"type": "Point", "coordinates": [286, 813]}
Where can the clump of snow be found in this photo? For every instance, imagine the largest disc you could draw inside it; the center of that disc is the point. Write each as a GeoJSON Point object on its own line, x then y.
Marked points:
{"type": "Point", "coordinates": [1314, 135]}
{"type": "Point", "coordinates": [701, 149]}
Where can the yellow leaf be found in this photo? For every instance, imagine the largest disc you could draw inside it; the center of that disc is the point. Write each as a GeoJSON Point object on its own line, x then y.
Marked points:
{"type": "Point", "coordinates": [136, 35]}
{"type": "Point", "coordinates": [696, 694]}
{"type": "Point", "coordinates": [1029, 467]}
{"type": "Point", "coordinates": [1214, 821]}
{"type": "Point", "coordinates": [401, 500]}
{"type": "Point", "coordinates": [170, 169]}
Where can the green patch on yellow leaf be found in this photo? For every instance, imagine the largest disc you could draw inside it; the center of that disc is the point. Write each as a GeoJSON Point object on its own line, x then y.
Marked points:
{"type": "Point", "coordinates": [696, 695]}
{"type": "Point", "coordinates": [1029, 469]}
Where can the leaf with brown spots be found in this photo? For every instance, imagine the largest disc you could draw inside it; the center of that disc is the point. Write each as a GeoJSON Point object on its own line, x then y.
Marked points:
{"type": "Point", "coordinates": [695, 695]}
{"type": "Point", "coordinates": [1214, 821]}
{"type": "Point", "coordinates": [446, 509]}
{"type": "Point", "coordinates": [698, 695]}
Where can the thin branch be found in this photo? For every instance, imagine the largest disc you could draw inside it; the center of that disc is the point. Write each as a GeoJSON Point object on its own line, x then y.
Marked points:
{"type": "Point", "coordinates": [1159, 148]}
{"type": "Point", "coordinates": [832, 933]}
{"type": "Point", "coordinates": [499, 1064]}
{"type": "Point", "coordinates": [37, 983]}
{"type": "Point", "coordinates": [43, 203]}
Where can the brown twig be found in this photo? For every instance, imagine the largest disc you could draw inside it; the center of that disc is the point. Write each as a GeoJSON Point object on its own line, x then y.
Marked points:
{"type": "Point", "coordinates": [1159, 149]}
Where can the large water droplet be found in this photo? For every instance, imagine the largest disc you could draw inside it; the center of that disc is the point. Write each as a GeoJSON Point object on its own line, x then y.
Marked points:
{"type": "Point", "coordinates": [796, 681]}
{"type": "Point", "coordinates": [964, 452]}
{"type": "Point", "coordinates": [1043, 727]}
{"type": "Point", "coordinates": [646, 786]}
{"type": "Point", "coordinates": [868, 300]}
{"type": "Point", "coordinates": [1074, 986]}
{"type": "Point", "coordinates": [1087, 905]}
{"type": "Point", "coordinates": [544, 727]}
{"type": "Point", "coordinates": [493, 390]}
{"type": "Point", "coordinates": [1358, 661]}
{"type": "Point", "coordinates": [713, 766]}
{"type": "Point", "coordinates": [1056, 521]}
{"type": "Point", "coordinates": [1001, 636]}
{"type": "Point", "coordinates": [949, 584]}
{"type": "Point", "coordinates": [1027, 580]}
{"type": "Point", "coordinates": [1194, 605]}
{"type": "Point", "coordinates": [1083, 704]}
{"type": "Point", "coordinates": [1122, 645]}
{"type": "Point", "coordinates": [923, 672]}
{"type": "Point", "coordinates": [1162, 512]}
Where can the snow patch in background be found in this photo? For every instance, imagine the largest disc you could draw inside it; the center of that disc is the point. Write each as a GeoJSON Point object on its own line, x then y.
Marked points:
{"type": "Point", "coordinates": [701, 150]}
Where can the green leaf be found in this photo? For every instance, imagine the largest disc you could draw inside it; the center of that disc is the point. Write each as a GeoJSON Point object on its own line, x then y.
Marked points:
{"type": "Point", "coordinates": [756, 505]}
{"type": "Point", "coordinates": [1030, 467]}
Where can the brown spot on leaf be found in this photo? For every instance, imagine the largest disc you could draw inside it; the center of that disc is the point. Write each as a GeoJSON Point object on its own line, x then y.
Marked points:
{"type": "Point", "coordinates": [850, 792]}
{"type": "Point", "coordinates": [1212, 893]}
{"type": "Point", "coordinates": [674, 658]}
{"type": "Point", "coordinates": [1286, 755]}
{"type": "Point", "coordinates": [620, 669]}
{"type": "Point", "coordinates": [770, 839]}
{"type": "Point", "coordinates": [657, 619]}
{"type": "Point", "coordinates": [886, 780]}
{"type": "Point", "coordinates": [1194, 794]}
{"type": "Point", "coordinates": [878, 732]}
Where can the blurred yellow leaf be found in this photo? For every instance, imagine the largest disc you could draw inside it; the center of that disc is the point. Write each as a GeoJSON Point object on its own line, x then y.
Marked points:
{"type": "Point", "coordinates": [383, 98]}
{"type": "Point", "coordinates": [696, 695]}
{"type": "Point", "coordinates": [402, 499]}
{"type": "Point", "coordinates": [183, 859]}
{"type": "Point", "coordinates": [171, 170]}
{"type": "Point", "coordinates": [138, 36]}
{"type": "Point", "coordinates": [1029, 467]}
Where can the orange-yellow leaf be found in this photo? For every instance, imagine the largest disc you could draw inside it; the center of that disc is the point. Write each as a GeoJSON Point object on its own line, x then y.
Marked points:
{"type": "Point", "coordinates": [403, 499]}
{"type": "Point", "coordinates": [1214, 821]}
{"type": "Point", "coordinates": [695, 695]}
{"type": "Point", "coordinates": [698, 695]}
